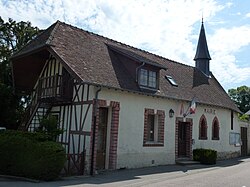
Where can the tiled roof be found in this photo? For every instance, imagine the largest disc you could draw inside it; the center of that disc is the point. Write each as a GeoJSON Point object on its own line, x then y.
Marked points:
{"type": "Point", "coordinates": [89, 57]}
{"type": "Point", "coordinates": [41, 40]}
{"type": "Point", "coordinates": [135, 56]}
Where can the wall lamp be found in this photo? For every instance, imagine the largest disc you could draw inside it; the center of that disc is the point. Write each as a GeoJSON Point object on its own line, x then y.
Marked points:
{"type": "Point", "coordinates": [171, 113]}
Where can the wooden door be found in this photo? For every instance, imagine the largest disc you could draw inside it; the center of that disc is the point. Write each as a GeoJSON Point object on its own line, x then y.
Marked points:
{"type": "Point", "coordinates": [244, 141]}
{"type": "Point", "coordinates": [101, 139]}
{"type": "Point", "coordinates": [182, 139]}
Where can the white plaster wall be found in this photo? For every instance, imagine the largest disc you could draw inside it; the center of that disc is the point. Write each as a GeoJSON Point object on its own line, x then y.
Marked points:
{"type": "Point", "coordinates": [131, 153]}
{"type": "Point", "coordinates": [222, 146]}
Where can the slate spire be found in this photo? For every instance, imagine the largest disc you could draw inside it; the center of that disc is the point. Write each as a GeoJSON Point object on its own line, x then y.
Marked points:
{"type": "Point", "coordinates": [202, 56]}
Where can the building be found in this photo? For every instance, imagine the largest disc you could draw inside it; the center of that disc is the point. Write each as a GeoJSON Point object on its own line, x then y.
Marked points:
{"type": "Point", "coordinates": [122, 107]}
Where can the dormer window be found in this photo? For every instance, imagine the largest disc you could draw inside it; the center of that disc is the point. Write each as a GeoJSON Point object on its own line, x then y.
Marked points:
{"type": "Point", "coordinates": [148, 78]}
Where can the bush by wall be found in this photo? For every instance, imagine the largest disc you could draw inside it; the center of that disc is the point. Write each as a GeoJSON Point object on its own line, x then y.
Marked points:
{"type": "Point", "coordinates": [205, 156]}
{"type": "Point", "coordinates": [30, 155]}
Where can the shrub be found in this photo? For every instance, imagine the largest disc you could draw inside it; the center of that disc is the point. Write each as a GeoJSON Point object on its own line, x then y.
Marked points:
{"type": "Point", "coordinates": [48, 126]}
{"type": "Point", "coordinates": [30, 155]}
{"type": "Point", "coordinates": [197, 154]}
{"type": "Point", "coordinates": [205, 156]}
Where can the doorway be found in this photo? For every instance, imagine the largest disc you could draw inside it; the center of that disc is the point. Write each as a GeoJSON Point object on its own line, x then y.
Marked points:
{"type": "Point", "coordinates": [244, 141]}
{"type": "Point", "coordinates": [102, 138]}
{"type": "Point", "coordinates": [184, 137]}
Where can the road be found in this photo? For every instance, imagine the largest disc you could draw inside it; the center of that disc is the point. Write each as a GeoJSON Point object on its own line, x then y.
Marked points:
{"type": "Point", "coordinates": [235, 176]}
{"type": "Point", "coordinates": [235, 173]}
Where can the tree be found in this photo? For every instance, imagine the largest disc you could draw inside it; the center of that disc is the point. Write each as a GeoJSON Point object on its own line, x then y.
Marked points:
{"type": "Point", "coordinates": [13, 36]}
{"type": "Point", "coordinates": [241, 97]}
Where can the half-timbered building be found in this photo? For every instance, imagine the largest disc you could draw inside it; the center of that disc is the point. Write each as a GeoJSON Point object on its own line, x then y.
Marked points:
{"type": "Point", "coordinates": [122, 107]}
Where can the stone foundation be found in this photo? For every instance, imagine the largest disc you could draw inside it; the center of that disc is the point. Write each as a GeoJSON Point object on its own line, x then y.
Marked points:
{"type": "Point", "coordinates": [227, 155]}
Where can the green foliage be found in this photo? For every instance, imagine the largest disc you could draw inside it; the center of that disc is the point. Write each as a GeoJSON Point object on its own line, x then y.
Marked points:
{"type": "Point", "coordinates": [197, 154]}
{"type": "Point", "coordinates": [205, 156]}
{"type": "Point", "coordinates": [244, 117]}
{"type": "Point", "coordinates": [30, 155]}
{"type": "Point", "coordinates": [241, 97]}
{"type": "Point", "coordinates": [9, 115]}
{"type": "Point", "coordinates": [49, 127]}
{"type": "Point", "coordinates": [13, 36]}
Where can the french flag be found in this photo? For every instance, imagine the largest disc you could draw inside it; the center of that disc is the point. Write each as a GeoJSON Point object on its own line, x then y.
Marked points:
{"type": "Point", "coordinates": [192, 107]}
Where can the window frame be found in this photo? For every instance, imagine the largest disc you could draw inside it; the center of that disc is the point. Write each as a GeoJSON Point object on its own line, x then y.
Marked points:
{"type": "Point", "coordinates": [203, 128]}
{"type": "Point", "coordinates": [148, 78]}
{"type": "Point", "coordinates": [157, 136]}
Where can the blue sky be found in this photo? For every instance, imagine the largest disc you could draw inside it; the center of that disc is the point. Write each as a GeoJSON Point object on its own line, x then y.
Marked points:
{"type": "Point", "coordinates": [169, 28]}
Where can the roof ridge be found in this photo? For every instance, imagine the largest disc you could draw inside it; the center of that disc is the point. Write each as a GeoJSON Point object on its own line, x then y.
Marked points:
{"type": "Point", "coordinates": [50, 38]}
{"type": "Point", "coordinates": [125, 45]}
{"type": "Point", "coordinates": [24, 49]}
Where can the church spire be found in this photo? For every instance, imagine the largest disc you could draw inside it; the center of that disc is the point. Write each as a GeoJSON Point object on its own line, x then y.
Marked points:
{"type": "Point", "coordinates": [202, 56]}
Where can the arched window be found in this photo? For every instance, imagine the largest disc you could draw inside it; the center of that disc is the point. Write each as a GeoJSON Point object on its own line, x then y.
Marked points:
{"type": "Point", "coordinates": [215, 129]}
{"type": "Point", "coordinates": [203, 128]}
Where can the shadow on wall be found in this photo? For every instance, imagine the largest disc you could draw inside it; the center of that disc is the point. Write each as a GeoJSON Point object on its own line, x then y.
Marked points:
{"type": "Point", "coordinates": [199, 78]}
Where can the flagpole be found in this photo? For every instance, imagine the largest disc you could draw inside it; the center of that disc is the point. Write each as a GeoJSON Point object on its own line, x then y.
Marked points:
{"type": "Point", "coordinates": [186, 113]}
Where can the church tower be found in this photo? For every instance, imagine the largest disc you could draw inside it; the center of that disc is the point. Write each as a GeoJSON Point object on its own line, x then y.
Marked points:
{"type": "Point", "coordinates": [202, 56]}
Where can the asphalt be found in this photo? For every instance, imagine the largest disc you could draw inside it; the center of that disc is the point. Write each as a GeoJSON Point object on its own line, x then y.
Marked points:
{"type": "Point", "coordinates": [124, 177]}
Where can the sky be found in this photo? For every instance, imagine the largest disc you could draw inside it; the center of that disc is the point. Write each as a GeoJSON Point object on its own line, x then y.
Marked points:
{"type": "Point", "coordinates": [169, 28]}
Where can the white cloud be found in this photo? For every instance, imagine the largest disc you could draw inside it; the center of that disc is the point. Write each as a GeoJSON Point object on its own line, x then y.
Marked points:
{"type": "Point", "coordinates": [225, 44]}
{"type": "Point", "coordinates": [45, 12]}
{"type": "Point", "coordinates": [168, 28]}
{"type": "Point", "coordinates": [248, 15]}
{"type": "Point", "coordinates": [165, 28]}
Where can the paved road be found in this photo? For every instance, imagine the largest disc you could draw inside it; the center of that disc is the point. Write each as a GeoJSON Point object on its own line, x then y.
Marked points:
{"type": "Point", "coordinates": [235, 176]}
{"type": "Point", "coordinates": [235, 173]}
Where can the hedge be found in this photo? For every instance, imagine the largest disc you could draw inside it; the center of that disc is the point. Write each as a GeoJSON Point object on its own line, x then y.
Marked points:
{"type": "Point", "coordinates": [205, 156]}
{"type": "Point", "coordinates": [30, 155]}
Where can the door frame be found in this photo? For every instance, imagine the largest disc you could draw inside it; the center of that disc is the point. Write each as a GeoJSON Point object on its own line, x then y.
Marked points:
{"type": "Point", "coordinates": [189, 131]}
{"type": "Point", "coordinates": [113, 126]}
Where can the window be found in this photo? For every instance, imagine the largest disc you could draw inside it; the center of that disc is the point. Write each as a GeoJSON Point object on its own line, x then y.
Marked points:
{"type": "Point", "coordinates": [148, 78]}
{"type": "Point", "coordinates": [144, 77]}
{"type": "Point", "coordinates": [152, 79]}
{"type": "Point", "coordinates": [232, 120]}
{"type": "Point", "coordinates": [215, 129]}
{"type": "Point", "coordinates": [171, 80]}
{"type": "Point", "coordinates": [203, 128]}
{"type": "Point", "coordinates": [153, 127]}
